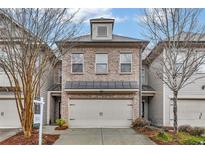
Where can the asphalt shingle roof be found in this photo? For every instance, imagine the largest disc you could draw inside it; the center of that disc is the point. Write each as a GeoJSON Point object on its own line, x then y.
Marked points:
{"type": "Point", "coordinates": [115, 38]}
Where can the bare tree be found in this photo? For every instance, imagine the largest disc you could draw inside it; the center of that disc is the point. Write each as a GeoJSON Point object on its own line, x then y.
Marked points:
{"type": "Point", "coordinates": [28, 37]}
{"type": "Point", "coordinates": [177, 34]}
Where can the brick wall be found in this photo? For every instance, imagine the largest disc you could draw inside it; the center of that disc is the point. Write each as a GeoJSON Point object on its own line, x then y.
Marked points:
{"type": "Point", "coordinates": [89, 75]}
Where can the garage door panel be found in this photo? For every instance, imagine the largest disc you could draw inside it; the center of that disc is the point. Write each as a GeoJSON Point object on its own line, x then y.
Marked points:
{"type": "Point", "coordinates": [190, 112]}
{"type": "Point", "coordinates": [8, 114]}
{"type": "Point", "coordinates": [100, 113]}
{"type": "Point", "coordinates": [79, 108]}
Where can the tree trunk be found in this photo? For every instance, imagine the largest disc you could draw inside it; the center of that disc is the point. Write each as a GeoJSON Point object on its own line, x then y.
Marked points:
{"type": "Point", "coordinates": [27, 124]}
{"type": "Point", "coordinates": [28, 115]}
{"type": "Point", "coordinates": [175, 93]}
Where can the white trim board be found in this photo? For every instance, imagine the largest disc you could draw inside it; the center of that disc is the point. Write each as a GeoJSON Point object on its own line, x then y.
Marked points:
{"type": "Point", "coordinates": [189, 97]}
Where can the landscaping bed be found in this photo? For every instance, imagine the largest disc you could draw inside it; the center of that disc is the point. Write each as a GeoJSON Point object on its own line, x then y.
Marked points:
{"type": "Point", "coordinates": [165, 136]}
{"type": "Point", "coordinates": [19, 139]}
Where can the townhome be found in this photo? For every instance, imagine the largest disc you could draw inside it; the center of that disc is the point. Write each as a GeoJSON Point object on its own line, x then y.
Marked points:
{"type": "Point", "coordinates": [9, 117]}
{"type": "Point", "coordinates": [191, 99]}
{"type": "Point", "coordinates": [100, 79]}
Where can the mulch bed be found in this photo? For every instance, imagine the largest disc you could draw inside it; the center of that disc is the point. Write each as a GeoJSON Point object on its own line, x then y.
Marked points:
{"type": "Point", "coordinates": [19, 139]}
{"type": "Point", "coordinates": [61, 128]}
{"type": "Point", "coordinates": [151, 133]}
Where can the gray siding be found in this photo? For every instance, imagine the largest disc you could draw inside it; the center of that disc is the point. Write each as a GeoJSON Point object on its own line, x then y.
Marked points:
{"type": "Point", "coordinates": [146, 69]}
{"type": "Point", "coordinates": [46, 82]}
{"type": "Point", "coordinates": [156, 102]}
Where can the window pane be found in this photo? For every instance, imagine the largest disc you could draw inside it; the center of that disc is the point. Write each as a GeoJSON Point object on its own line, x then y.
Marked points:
{"type": "Point", "coordinates": [101, 58]}
{"type": "Point", "coordinates": [101, 68]}
{"type": "Point", "coordinates": [143, 76]}
{"type": "Point", "coordinates": [77, 58]}
{"type": "Point", "coordinates": [125, 67]}
{"type": "Point", "coordinates": [179, 67]}
{"type": "Point", "coordinates": [102, 31]}
{"type": "Point", "coordinates": [126, 58]}
{"type": "Point", "coordinates": [180, 57]}
{"type": "Point", "coordinates": [201, 69]}
{"type": "Point", "coordinates": [77, 67]}
{"type": "Point", "coordinates": [2, 54]}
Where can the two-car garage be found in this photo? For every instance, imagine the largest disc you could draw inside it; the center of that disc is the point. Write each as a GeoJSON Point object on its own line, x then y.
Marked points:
{"type": "Point", "coordinates": [100, 113]}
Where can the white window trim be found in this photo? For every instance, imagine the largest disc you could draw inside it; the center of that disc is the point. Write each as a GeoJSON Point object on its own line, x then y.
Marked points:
{"type": "Point", "coordinates": [79, 63]}
{"type": "Point", "coordinates": [96, 64]}
{"type": "Point", "coordinates": [128, 52]}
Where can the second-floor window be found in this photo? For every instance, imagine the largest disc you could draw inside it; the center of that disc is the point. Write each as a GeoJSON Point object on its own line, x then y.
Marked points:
{"type": "Point", "coordinates": [125, 62]}
{"type": "Point", "coordinates": [77, 62]}
{"type": "Point", "coordinates": [101, 63]}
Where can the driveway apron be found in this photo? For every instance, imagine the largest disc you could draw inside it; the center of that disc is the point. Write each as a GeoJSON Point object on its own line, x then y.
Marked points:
{"type": "Point", "coordinates": [102, 136]}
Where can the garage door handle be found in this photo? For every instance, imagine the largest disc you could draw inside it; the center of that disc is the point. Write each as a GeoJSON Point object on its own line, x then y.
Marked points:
{"type": "Point", "coordinates": [129, 119]}
{"type": "Point", "coordinates": [72, 119]}
{"type": "Point", "coordinates": [72, 104]}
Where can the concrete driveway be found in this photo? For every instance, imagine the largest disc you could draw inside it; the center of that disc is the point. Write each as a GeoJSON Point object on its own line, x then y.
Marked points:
{"type": "Point", "coordinates": [6, 133]}
{"type": "Point", "coordinates": [101, 136]}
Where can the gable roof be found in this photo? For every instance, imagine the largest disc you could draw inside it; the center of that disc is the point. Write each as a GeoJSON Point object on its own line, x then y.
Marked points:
{"type": "Point", "coordinates": [118, 40]}
{"type": "Point", "coordinates": [115, 38]}
{"type": "Point", "coordinates": [196, 40]}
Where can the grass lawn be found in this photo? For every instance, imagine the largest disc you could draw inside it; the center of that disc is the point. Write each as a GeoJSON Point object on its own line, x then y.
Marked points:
{"type": "Point", "coordinates": [168, 138]}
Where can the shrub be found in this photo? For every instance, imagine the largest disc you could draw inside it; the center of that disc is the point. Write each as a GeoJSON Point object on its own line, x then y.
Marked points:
{"type": "Point", "coordinates": [60, 122]}
{"type": "Point", "coordinates": [141, 122]}
{"type": "Point", "coordinates": [197, 131]}
{"type": "Point", "coordinates": [185, 128]}
{"type": "Point", "coordinates": [164, 137]}
{"type": "Point", "coordinates": [192, 141]}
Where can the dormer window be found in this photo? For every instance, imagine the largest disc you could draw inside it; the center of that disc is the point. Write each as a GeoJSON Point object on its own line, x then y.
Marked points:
{"type": "Point", "coordinates": [102, 31]}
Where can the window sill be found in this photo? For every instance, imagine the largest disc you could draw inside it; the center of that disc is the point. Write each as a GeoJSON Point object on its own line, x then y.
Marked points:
{"type": "Point", "coordinates": [101, 73]}
{"type": "Point", "coordinates": [77, 73]}
{"type": "Point", "coordinates": [124, 73]}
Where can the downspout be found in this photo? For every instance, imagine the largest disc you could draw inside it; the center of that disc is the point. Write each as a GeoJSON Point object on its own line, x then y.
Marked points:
{"type": "Point", "coordinates": [140, 82]}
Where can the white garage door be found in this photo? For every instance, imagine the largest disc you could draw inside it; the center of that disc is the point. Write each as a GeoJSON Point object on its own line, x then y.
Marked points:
{"type": "Point", "coordinates": [100, 113]}
{"type": "Point", "coordinates": [8, 114]}
{"type": "Point", "coordinates": [190, 112]}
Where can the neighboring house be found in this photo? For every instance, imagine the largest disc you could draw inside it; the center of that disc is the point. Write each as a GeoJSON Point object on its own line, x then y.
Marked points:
{"type": "Point", "coordinates": [191, 99]}
{"type": "Point", "coordinates": [100, 79]}
{"type": "Point", "coordinates": [8, 111]}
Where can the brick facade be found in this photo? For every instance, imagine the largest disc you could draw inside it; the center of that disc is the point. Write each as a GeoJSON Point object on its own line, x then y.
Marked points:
{"type": "Point", "coordinates": [90, 75]}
